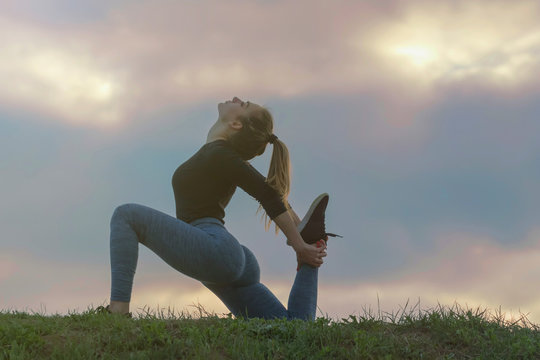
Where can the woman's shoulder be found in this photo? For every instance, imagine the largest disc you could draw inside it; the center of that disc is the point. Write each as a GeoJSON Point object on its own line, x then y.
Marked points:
{"type": "Point", "coordinates": [222, 147]}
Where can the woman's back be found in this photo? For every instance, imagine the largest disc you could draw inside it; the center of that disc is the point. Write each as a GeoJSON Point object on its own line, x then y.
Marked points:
{"type": "Point", "coordinates": [204, 184]}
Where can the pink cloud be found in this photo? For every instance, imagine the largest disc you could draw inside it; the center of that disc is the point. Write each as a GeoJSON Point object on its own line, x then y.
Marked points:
{"type": "Point", "coordinates": [473, 272]}
{"type": "Point", "coordinates": [143, 57]}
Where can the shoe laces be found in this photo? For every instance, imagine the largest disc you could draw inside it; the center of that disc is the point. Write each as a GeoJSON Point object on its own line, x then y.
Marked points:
{"type": "Point", "coordinates": [333, 235]}
{"type": "Point", "coordinates": [327, 233]}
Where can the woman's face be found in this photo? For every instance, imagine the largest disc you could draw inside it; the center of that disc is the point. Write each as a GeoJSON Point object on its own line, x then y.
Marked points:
{"type": "Point", "coordinates": [231, 109]}
{"type": "Point", "coordinates": [228, 121]}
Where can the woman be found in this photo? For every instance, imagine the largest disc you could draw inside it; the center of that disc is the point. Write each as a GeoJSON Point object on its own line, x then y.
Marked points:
{"type": "Point", "coordinates": [196, 242]}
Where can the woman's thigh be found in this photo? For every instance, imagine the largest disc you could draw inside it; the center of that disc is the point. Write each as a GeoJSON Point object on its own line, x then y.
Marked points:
{"type": "Point", "coordinates": [206, 252]}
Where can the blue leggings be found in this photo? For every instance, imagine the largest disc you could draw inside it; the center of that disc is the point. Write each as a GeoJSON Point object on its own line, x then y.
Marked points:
{"type": "Point", "coordinates": [206, 251]}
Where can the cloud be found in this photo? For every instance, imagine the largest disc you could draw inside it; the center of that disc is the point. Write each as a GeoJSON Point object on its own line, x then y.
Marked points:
{"type": "Point", "coordinates": [469, 269]}
{"type": "Point", "coordinates": [426, 113]}
{"type": "Point", "coordinates": [38, 283]}
{"type": "Point", "coordinates": [479, 263]}
{"type": "Point", "coordinates": [59, 12]}
{"type": "Point", "coordinates": [460, 266]}
{"type": "Point", "coordinates": [137, 57]}
{"type": "Point", "coordinates": [56, 75]}
{"type": "Point", "coordinates": [451, 41]}
{"type": "Point", "coordinates": [357, 299]}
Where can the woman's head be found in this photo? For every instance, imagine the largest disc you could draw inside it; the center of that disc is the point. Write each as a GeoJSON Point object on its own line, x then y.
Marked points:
{"type": "Point", "coordinates": [246, 125]}
{"type": "Point", "coordinates": [230, 110]}
{"type": "Point", "coordinates": [248, 129]}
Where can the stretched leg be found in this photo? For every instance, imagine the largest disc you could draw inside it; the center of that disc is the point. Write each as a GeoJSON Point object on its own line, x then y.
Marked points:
{"type": "Point", "coordinates": [303, 296]}
{"type": "Point", "coordinates": [206, 252]}
{"type": "Point", "coordinates": [248, 297]}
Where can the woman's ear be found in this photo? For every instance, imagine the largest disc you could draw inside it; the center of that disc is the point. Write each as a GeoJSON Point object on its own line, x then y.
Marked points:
{"type": "Point", "coordinates": [236, 124]}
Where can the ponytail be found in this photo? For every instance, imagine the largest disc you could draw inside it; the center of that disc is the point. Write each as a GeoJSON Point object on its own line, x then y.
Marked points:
{"type": "Point", "coordinates": [279, 177]}
{"type": "Point", "coordinates": [251, 140]}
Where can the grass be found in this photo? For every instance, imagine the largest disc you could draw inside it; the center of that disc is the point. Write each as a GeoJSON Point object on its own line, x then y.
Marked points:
{"type": "Point", "coordinates": [438, 333]}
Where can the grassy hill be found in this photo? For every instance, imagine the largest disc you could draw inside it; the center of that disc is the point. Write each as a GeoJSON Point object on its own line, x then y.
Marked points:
{"type": "Point", "coordinates": [439, 333]}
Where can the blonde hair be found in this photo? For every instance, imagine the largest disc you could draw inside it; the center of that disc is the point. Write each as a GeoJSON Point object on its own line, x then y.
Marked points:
{"type": "Point", "coordinates": [251, 141]}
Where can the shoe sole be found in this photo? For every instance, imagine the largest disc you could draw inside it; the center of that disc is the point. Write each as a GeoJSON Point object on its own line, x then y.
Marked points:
{"type": "Point", "coordinates": [312, 208]}
{"type": "Point", "coordinates": [310, 211]}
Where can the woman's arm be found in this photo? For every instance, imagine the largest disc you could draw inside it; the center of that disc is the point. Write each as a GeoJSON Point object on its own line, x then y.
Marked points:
{"type": "Point", "coordinates": [294, 217]}
{"type": "Point", "coordinates": [306, 253]}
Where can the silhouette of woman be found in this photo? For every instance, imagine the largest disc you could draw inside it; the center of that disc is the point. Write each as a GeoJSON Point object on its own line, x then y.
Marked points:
{"type": "Point", "coordinates": [196, 242]}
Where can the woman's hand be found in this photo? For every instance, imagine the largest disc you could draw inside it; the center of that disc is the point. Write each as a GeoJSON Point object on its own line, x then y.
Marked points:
{"type": "Point", "coordinates": [305, 253]}
{"type": "Point", "coordinates": [311, 254]}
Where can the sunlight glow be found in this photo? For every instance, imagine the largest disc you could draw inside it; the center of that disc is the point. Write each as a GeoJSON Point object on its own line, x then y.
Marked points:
{"type": "Point", "coordinates": [453, 43]}
{"type": "Point", "coordinates": [104, 91]}
{"type": "Point", "coordinates": [69, 78]}
{"type": "Point", "coordinates": [58, 80]}
{"type": "Point", "coordinates": [418, 55]}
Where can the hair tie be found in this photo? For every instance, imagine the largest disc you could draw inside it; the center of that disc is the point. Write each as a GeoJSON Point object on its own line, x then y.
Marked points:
{"type": "Point", "coordinates": [272, 138]}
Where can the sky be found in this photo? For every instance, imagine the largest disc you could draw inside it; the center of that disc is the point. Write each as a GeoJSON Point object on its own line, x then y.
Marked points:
{"type": "Point", "coordinates": [418, 118]}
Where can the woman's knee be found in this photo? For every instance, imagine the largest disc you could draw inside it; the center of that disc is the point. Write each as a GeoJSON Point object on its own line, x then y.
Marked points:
{"type": "Point", "coordinates": [123, 211]}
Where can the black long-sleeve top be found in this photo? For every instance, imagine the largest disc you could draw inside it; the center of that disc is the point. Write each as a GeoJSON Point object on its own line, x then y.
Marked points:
{"type": "Point", "coordinates": [205, 183]}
